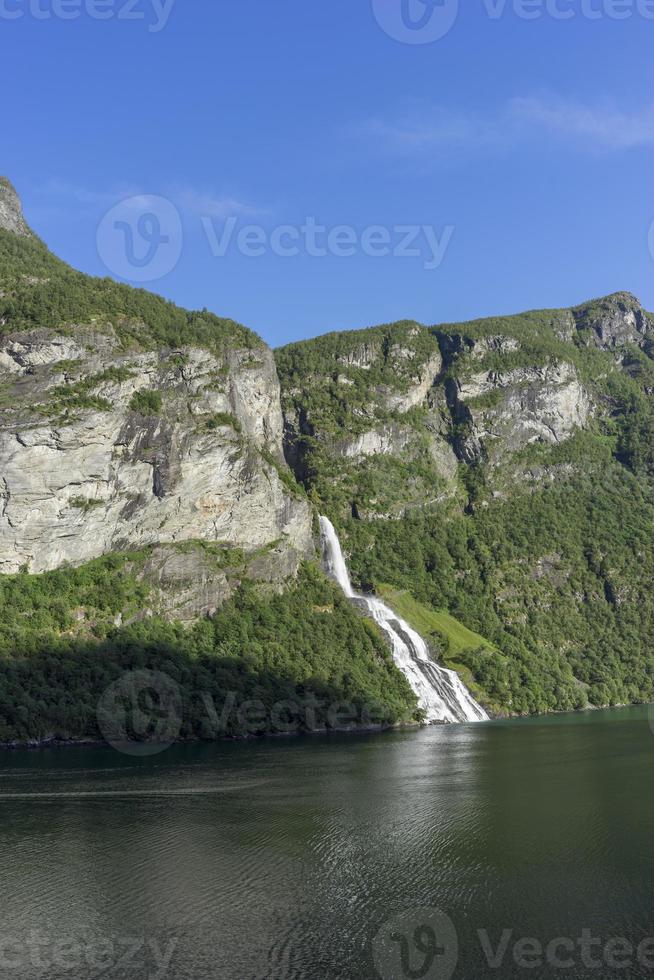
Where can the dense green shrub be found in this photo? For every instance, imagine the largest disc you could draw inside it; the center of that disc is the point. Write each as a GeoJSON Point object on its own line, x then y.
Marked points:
{"type": "Point", "coordinates": [308, 646]}
{"type": "Point", "coordinates": [146, 403]}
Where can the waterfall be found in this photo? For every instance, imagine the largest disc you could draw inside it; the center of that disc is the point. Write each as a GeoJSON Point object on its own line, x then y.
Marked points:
{"type": "Point", "coordinates": [441, 693]}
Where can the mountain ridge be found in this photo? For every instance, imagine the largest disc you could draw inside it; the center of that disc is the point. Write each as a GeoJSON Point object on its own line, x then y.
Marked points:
{"type": "Point", "coordinates": [516, 495]}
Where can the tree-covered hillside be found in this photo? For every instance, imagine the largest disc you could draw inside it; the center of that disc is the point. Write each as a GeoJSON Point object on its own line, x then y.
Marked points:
{"type": "Point", "coordinates": [133, 423]}
{"type": "Point", "coordinates": [494, 479]}
{"type": "Point", "coordinates": [301, 660]}
{"type": "Point", "coordinates": [540, 538]}
{"type": "Point", "coordinates": [37, 289]}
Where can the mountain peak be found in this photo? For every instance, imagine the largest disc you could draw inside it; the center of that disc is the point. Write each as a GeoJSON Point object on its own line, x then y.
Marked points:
{"type": "Point", "coordinates": [623, 298]}
{"type": "Point", "coordinates": [11, 210]}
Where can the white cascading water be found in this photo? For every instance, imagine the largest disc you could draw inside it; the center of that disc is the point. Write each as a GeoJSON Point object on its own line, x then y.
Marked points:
{"type": "Point", "coordinates": [441, 693]}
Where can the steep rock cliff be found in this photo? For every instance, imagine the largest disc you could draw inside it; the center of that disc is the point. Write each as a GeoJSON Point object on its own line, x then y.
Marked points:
{"type": "Point", "coordinates": [364, 423]}
{"type": "Point", "coordinates": [111, 442]}
{"type": "Point", "coordinates": [614, 322]}
{"type": "Point", "coordinates": [11, 212]}
{"type": "Point", "coordinates": [502, 412]}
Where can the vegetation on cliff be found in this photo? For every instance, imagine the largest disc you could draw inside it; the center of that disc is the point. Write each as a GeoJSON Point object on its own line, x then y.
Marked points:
{"type": "Point", "coordinates": [495, 480]}
{"type": "Point", "coordinates": [305, 658]}
{"type": "Point", "coordinates": [330, 379]}
{"type": "Point", "coordinates": [39, 290]}
{"type": "Point", "coordinates": [547, 554]}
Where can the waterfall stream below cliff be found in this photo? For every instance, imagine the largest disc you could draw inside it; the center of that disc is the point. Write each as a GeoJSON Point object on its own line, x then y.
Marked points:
{"type": "Point", "coordinates": [441, 693]}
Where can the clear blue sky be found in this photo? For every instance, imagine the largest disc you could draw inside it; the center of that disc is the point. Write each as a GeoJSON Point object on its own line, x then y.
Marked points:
{"type": "Point", "coordinates": [532, 139]}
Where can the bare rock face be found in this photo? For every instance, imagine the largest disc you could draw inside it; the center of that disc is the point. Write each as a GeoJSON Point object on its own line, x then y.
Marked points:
{"type": "Point", "coordinates": [386, 440]}
{"type": "Point", "coordinates": [615, 321]}
{"type": "Point", "coordinates": [11, 212]}
{"type": "Point", "coordinates": [419, 388]}
{"type": "Point", "coordinates": [501, 413]}
{"type": "Point", "coordinates": [394, 439]}
{"type": "Point", "coordinates": [498, 344]}
{"type": "Point", "coordinates": [102, 450]}
{"type": "Point", "coordinates": [363, 356]}
{"type": "Point", "coordinates": [192, 579]}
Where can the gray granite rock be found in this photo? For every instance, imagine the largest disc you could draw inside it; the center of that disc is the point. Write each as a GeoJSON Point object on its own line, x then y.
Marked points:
{"type": "Point", "coordinates": [84, 470]}
{"type": "Point", "coordinates": [11, 212]}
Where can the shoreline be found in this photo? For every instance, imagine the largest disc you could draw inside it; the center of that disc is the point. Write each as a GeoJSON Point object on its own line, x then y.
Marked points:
{"type": "Point", "coordinates": [33, 745]}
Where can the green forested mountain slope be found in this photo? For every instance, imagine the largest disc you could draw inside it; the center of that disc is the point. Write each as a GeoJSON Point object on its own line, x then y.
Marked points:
{"type": "Point", "coordinates": [148, 519]}
{"type": "Point", "coordinates": [516, 495]}
{"type": "Point", "coordinates": [39, 290]}
{"type": "Point", "coordinates": [493, 479]}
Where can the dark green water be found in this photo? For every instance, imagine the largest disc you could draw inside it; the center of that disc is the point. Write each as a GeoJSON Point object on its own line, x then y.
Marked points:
{"type": "Point", "coordinates": [285, 859]}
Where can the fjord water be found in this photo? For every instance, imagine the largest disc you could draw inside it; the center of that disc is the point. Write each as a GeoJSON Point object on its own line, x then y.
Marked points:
{"type": "Point", "coordinates": [283, 858]}
{"type": "Point", "coordinates": [441, 693]}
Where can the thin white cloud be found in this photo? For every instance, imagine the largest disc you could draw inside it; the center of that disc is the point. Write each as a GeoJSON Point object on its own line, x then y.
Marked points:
{"type": "Point", "coordinates": [521, 120]}
{"type": "Point", "coordinates": [208, 205]}
{"type": "Point", "coordinates": [606, 127]}
{"type": "Point", "coordinates": [426, 129]}
{"type": "Point", "coordinates": [60, 196]}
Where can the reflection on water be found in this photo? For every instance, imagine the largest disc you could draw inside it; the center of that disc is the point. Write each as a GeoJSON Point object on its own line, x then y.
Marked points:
{"type": "Point", "coordinates": [284, 858]}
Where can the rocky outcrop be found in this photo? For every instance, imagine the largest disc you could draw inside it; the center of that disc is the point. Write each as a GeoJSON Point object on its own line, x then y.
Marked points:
{"type": "Point", "coordinates": [362, 356]}
{"type": "Point", "coordinates": [501, 413]}
{"type": "Point", "coordinates": [193, 579]}
{"type": "Point", "coordinates": [11, 213]}
{"type": "Point", "coordinates": [419, 387]}
{"type": "Point", "coordinates": [383, 441]}
{"type": "Point", "coordinates": [103, 450]}
{"type": "Point", "coordinates": [494, 344]}
{"type": "Point", "coordinates": [399, 441]}
{"type": "Point", "coordinates": [614, 322]}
